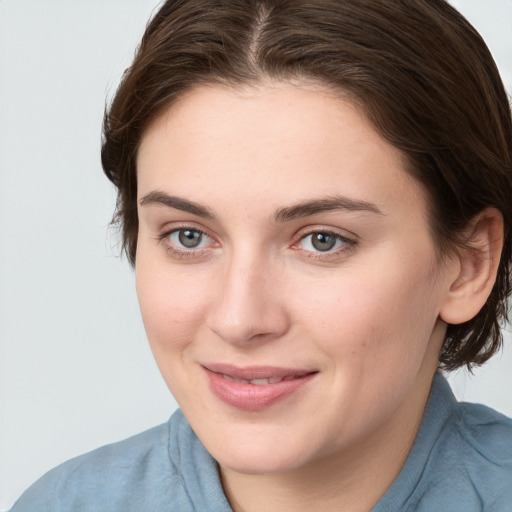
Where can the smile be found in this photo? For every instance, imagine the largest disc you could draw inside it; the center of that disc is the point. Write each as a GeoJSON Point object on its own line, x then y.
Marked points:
{"type": "Point", "coordinates": [255, 388]}
{"type": "Point", "coordinates": [260, 382]}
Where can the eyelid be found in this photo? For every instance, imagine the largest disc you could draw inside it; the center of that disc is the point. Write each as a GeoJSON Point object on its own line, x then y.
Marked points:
{"type": "Point", "coordinates": [309, 230]}
{"type": "Point", "coordinates": [349, 240]}
{"type": "Point", "coordinates": [172, 227]}
{"type": "Point", "coordinates": [183, 252]}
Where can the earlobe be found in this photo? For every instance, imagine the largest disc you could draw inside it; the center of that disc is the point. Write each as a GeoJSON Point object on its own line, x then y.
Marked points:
{"type": "Point", "coordinates": [478, 266]}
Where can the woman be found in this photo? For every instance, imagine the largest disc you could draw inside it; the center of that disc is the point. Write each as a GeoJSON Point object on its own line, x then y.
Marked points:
{"type": "Point", "coordinates": [315, 196]}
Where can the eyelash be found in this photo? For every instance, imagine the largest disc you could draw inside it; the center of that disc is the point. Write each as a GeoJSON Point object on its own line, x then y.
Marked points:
{"type": "Point", "coordinates": [348, 244]}
{"type": "Point", "coordinates": [182, 253]}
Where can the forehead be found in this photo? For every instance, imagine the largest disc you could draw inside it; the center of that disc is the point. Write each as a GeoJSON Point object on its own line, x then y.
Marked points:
{"type": "Point", "coordinates": [277, 141]}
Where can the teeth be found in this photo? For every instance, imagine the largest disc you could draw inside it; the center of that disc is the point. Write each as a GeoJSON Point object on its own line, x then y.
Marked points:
{"type": "Point", "coordinates": [259, 382]}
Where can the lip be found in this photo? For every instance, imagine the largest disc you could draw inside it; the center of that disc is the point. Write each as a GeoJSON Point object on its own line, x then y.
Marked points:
{"type": "Point", "coordinates": [224, 381]}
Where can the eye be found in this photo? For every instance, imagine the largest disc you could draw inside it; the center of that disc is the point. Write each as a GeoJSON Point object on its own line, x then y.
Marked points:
{"type": "Point", "coordinates": [323, 241]}
{"type": "Point", "coordinates": [187, 238]}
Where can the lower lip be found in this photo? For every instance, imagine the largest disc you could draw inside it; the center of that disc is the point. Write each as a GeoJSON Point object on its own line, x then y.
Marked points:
{"type": "Point", "coordinates": [253, 397]}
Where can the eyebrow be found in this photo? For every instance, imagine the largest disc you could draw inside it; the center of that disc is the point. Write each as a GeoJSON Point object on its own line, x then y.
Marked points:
{"type": "Point", "coordinates": [328, 204]}
{"type": "Point", "coordinates": [162, 199]}
{"type": "Point", "coordinates": [304, 209]}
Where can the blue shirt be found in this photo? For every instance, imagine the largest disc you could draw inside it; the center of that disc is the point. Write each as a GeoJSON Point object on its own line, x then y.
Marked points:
{"type": "Point", "coordinates": [461, 461]}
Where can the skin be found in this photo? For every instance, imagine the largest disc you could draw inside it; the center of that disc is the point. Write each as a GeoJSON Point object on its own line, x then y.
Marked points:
{"type": "Point", "coordinates": [366, 316]}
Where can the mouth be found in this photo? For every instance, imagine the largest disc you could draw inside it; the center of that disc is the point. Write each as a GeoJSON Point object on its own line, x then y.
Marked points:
{"type": "Point", "coordinates": [261, 382]}
{"type": "Point", "coordinates": [255, 388]}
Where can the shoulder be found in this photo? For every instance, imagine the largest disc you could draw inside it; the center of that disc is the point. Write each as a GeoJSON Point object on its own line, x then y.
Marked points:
{"type": "Point", "coordinates": [480, 435]}
{"type": "Point", "coordinates": [461, 459]}
{"type": "Point", "coordinates": [485, 443]}
{"type": "Point", "coordinates": [486, 433]}
{"type": "Point", "coordinates": [471, 459]}
{"type": "Point", "coordinates": [127, 475]}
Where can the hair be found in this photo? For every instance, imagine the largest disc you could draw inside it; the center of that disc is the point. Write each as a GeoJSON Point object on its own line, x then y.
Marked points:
{"type": "Point", "coordinates": [417, 70]}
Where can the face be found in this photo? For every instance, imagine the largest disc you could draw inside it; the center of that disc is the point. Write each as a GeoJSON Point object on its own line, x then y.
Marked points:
{"type": "Point", "coordinates": [286, 274]}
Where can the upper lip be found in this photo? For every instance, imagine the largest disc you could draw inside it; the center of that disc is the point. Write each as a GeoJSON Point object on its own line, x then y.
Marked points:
{"type": "Point", "coordinates": [256, 372]}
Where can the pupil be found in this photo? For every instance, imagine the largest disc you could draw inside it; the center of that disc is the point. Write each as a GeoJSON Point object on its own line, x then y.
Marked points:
{"type": "Point", "coordinates": [189, 238]}
{"type": "Point", "coordinates": [323, 241]}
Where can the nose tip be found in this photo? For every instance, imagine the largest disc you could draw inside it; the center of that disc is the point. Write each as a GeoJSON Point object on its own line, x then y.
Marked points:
{"type": "Point", "coordinates": [248, 308]}
{"type": "Point", "coordinates": [235, 330]}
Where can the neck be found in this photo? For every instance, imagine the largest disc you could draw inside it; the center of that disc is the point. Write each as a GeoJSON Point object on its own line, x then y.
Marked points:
{"type": "Point", "coordinates": [354, 479]}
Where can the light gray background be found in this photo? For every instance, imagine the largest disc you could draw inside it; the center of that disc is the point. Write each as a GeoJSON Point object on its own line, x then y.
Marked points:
{"type": "Point", "coordinates": [75, 368]}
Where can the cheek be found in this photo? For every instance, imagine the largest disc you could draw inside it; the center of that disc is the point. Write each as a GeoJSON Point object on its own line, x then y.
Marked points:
{"type": "Point", "coordinates": [172, 305]}
{"type": "Point", "coordinates": [373, 313]}
{"type": "Point", "coordinates": [173, 309]}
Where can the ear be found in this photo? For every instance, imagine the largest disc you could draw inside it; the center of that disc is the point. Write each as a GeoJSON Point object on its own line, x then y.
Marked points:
{"type": "Point", "coordinates": [477, 269]}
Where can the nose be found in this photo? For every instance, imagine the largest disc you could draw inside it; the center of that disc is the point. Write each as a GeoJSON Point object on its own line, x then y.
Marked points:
{"type": "Point", "coordinates": [249, 305]}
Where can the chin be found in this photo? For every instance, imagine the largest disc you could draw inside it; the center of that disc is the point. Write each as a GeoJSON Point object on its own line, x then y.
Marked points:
{"type": "Point", "coordinates": [254, 457]}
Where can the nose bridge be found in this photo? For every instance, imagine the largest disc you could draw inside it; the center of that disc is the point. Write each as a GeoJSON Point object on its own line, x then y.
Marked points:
{"type": "Point", "coordinates": [247, 304]}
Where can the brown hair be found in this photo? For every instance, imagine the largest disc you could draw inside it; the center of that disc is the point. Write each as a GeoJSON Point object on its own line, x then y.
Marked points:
{"type": "Point", "coordinates": [417, 68]}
